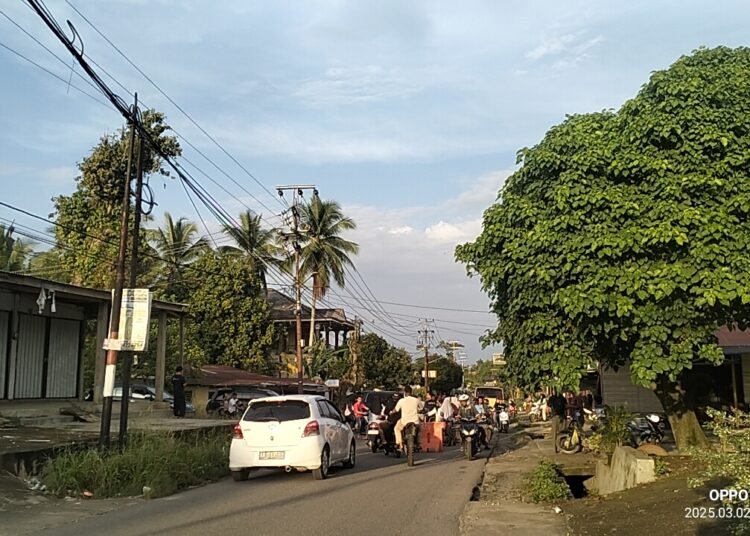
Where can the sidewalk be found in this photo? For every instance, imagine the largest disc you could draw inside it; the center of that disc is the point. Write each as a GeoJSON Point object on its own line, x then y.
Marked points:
{"type": "Point", "coordinates": [500, 509]}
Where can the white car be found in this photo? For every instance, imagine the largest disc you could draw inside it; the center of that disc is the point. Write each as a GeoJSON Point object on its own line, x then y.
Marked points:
{"type": "Point", "coordinates": [302, 432]}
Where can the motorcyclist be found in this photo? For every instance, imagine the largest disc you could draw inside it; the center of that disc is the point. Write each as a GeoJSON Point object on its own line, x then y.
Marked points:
{"type": "Point", "coordinates": [410, 407]}
{"type": "Point", "coordinates": [484, 418]}
{"type": "Point", "coordinates": [467, 410]}
{"type": "Point", "coordinates": [430, 408]}
{"type": "Point", "coordinates": [391, 418]}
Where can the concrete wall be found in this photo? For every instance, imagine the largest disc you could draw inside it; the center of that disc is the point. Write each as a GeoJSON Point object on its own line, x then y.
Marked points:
{"type": "Point", "coordinates": [627, 469]}
{"type": "Point", "coordinates": [618, 390]}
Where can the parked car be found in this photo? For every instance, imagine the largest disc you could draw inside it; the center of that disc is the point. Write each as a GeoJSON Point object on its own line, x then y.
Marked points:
{"type": "Point", "coordinates": [375, 400]}
{"type": "Point", "coordinates": [142, 391]}
{"type": "Point", "coordinates": [294, 432]}
{"type": "Point", "coordinates": [244, 395]}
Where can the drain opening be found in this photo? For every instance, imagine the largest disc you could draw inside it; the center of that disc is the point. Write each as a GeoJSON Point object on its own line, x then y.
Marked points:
{"type": "Point", "coordinates": [577, 486]}
{"type": "Point", "coordinates": [475, 494]}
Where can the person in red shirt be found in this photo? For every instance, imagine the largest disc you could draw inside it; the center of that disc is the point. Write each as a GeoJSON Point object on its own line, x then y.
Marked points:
{"type": "Point", "coordinates": [360, 414]}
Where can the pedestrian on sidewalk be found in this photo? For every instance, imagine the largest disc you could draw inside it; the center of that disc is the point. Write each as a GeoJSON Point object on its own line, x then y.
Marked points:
{"type": "Point", "coordinates": [178, 391]}
{"type": "Point", "coordinates": [557, 407]}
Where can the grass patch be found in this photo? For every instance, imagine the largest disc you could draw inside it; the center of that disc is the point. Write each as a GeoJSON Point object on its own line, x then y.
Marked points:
{"type": "Point", "coordinates": [163, 462]}
{"type": "Point", "coordinates": [546, 483]}
{"type": "Point", "coordinates": [661, 468]}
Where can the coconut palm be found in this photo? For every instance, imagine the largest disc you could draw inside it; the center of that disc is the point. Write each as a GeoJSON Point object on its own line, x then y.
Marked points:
{"type": "Point", "coordinates": [325, 254]}
{"type": "Point", "coordinates": [14, 252]}
{"type": "Point", "coordinates": [259, 244]}
{"type": "Point", "coordinates": [176, 244]}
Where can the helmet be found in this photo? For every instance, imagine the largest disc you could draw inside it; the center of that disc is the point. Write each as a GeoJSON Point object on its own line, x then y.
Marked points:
{"type": "Point", "coordinates": [396, 396]}
{"type": "Point", "coordinates": [463, 398]}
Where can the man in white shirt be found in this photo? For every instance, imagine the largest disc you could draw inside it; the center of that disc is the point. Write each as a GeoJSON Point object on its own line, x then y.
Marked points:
{"type": "Point", "coordinates": [409, 406]}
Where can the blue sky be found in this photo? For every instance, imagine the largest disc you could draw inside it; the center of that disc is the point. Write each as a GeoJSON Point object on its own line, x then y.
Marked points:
{"type": "Point", "coordinates": [408, 113]}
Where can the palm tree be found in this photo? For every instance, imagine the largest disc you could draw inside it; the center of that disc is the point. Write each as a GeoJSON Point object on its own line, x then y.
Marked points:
{"type": "Point", "coordinates": [14, 252]}
{"type": "Point", "coordinates": [259, 244]}
{"type": "Point", "coordinates": [325, 254]}
{"type": "Point", "coordinates": [176, 245]}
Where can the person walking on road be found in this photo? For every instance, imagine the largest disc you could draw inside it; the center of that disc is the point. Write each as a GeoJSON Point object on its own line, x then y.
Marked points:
{"type": "Point", "coordinates": [178, 391]}
{"type": "Point", "coordinates": [557, 409]}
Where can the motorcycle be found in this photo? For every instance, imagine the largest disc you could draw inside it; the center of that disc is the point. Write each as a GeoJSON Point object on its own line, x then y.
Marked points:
{"type": "Point", "coordinates": [503, 420]}
{"type": "Point", "coordinates": [470, 433]}
{"type": "Point", "coordinates": [595, 418]}
{"type": "Point", "coordinates": [571, 439]}
{"type": "Point", "coordinates": [535, 413]}
{"type": "Point", "coordinates": [647, 431]}
{"type": "Point", "coordinates": [411, 442]}
{"type": "Point", "coordinates": [380, 436]}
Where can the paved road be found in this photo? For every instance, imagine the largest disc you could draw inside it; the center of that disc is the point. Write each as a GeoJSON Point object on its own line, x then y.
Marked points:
{"type": "Point", "coordinates": [381, 496]}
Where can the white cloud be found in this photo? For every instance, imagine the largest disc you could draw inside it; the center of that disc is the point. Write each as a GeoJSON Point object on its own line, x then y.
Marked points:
{"type": "Point", "coordinates": [404, 229]}
{"type": "Point", "coordinates": [63, 174]}
{"type": "Point", "coordinates": [453, 233]}
{"type": "Point", "coordinates": [573, 48]}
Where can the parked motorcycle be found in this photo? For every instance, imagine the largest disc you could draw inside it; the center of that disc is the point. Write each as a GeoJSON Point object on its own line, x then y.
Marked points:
{"type": "Point", "coordinates": [648, 430]}
{"type": "Point", "coordinates": [470, 434]}
{"type": "Point", "coordinates": [535, 413]}
{"type": "Point", "coordinates": [571, 439]}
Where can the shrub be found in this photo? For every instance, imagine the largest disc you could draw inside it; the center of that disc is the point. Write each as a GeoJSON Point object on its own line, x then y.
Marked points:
{"type": "Point", "coordinates": [163, 462]}
{"type": "Point", "coordinates": [613, 433]}
{"type": "Point", "coordinates": [546, 483]}
{"type": "Point", "coordinates": [731, 462]}
{"type": "Point", "coordinates": [660, 467]}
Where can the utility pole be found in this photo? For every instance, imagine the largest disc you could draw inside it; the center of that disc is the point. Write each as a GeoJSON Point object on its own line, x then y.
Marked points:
{"type": "Point", "coordinates": [297, 195]}
{"type": "Point", "coordinates": [426, 336]}
{"type": "Point", "coordinates": [114, 326]}
{"type": "Point", "coordinates": [128, 356]}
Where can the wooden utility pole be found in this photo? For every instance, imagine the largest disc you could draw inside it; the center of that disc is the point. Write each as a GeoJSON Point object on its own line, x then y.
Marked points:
{"type": "Point", "coordinates": [127, 360]}
{"type": "Point", "coordinates": [114, 326]}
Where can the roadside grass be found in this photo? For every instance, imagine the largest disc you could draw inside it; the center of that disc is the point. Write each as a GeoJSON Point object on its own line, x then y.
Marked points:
{"type": "Point", "coordinates": [547, 484]}
{"type": "Point", "coordinates": [152, 464]}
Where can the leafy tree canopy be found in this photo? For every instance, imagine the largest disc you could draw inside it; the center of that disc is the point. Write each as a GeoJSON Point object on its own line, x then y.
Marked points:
{"type": "Point", "coordinates": [449, 373]}
{"type": "Point", "coordinates": [88, 220]}
{"type": "Point", "coordinates": [231, 314]}
{"type": "Point", "coordinates": [624, 235]}
{"type": "Point", "coordinates": [384, 365]}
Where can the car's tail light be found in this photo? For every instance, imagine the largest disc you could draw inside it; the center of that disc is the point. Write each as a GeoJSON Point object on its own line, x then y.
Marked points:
{"type": "Point", "coordinates": [237, 431]}
{"type": "Point", "coordinates": [312, 428]}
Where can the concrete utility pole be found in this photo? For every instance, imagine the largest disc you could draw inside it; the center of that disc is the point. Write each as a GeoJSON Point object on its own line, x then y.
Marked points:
{"type": "Point", "coordinates": [425, 336]}
{"type": "Point", "coordinates": [114, 326]}
{"type": "Point", "coordinates": [127, 360]}
{"type": "Point", "coordinates": [297, 195]}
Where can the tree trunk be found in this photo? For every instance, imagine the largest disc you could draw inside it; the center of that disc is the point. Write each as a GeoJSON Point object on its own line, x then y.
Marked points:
{"type": "Point", "coordinates": [680, 411]}
{"type": "Point", "coordinates": [312, 319]}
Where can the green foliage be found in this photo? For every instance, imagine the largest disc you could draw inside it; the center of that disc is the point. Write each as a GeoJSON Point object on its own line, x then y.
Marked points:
{"type": "Point", "coordinates": [46, 264]}
{"type": "Point", "coordinates": [89, 222]}
{"type": "Point", "coordinates": [614, 432]}
{"type": "Point", "coordinates": [384, 365]}
{"type": "Point", "coordinates": [324, 362]}
{"type": "Point", "coordinates": [625, 235]}
{"type": "Point", "coordinates": [661, 468]}
{"type": "Point", "coordinates": [14, 252]}
{"type": "Point", "coordinates": [547, 484]}
{"type": "Point", "coordinates": [230, 313]}
{"type": "Point", "coordinates": [449, 373]}
{"type": "Point", "coordinates": [730, 464]}
{"type": "Point", "coordinates": [163, 462]}
{"type": "Point", "coordinates": [481, 373]}
{"type": "Point", "coordinates": [260, 245]}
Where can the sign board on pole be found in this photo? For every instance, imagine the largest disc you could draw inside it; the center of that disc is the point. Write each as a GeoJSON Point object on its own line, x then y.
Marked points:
{"type": "Point", "coordinates": [433, 373]}
{"type": "Point", "coordinates": [498, 359]}
{"type": "Point", "coordinates": [132, 335]}
{"type": "Point", "coordinates": [332, 383]}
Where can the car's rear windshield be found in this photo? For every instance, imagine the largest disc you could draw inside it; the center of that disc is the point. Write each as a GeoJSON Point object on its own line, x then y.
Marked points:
{"type": "Point", "coordinates": [281, 411]}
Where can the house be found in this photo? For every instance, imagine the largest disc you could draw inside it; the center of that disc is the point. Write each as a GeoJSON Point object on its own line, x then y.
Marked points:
{"type": "Point", "coordinates": [42, 337]}
{"type": "Point", "coordinates": [203, 381]}
{"type": "Point", "coordinates": [726, 385]}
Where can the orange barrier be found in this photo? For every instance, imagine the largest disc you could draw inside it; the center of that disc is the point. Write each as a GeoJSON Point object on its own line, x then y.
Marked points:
{"type": "Point", "coordinates": [431, 436]}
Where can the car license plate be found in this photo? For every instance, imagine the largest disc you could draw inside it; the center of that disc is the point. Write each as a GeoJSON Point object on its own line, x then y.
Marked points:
{"type": "Point", "coordinates": [272, 455]}
{"type": "Point", "coordinates": [373, 432]}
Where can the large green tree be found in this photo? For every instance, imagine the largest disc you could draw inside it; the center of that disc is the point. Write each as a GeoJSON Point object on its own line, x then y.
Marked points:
{"type": "Point", "coordinates": [229, 310]}
{"type": "Point", "coordinates": [88, 220]}
{"type": "Point", "coordinates": [177, 245]}
{"type": "Point", "coordinates": [625, 236]}
{"type": "Point", "coordinates": [385, 366]}
{"type": "Point", "coordinates": [325, 253]}
{"type": "Point", "coordinates": [260, 245]}
{"type": "Point", "coordinates": [449, 374]}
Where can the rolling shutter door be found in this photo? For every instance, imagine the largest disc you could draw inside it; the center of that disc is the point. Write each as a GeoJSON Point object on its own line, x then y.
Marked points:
{"type": "Point", "coordinates": [4, 329]}
{"type": "Point", "coordinates": [30, 358]}
{"type": "Point", "coordinates": [62, 360]}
